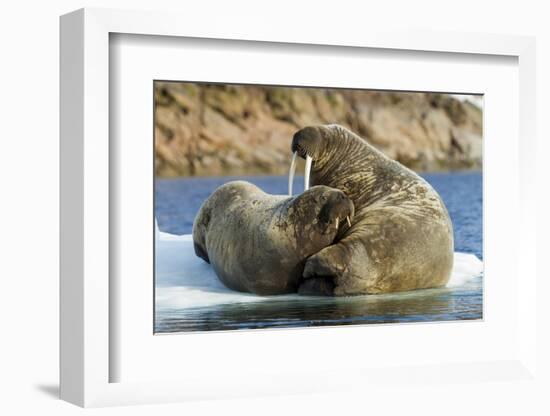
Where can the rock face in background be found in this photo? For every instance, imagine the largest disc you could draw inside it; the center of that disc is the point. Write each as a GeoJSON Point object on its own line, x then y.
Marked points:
{"type": "Point", "coordinates": [205, 129]}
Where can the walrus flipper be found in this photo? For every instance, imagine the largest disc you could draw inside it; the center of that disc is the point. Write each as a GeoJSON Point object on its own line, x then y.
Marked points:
{"type": "Point", "coordinates": [317, 286]}
{"type": "Point", "coordinates": [327, 262]}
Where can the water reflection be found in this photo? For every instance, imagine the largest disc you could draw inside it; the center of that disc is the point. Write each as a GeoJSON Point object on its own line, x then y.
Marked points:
{"type": "Point", "coordinates": [419, 306]}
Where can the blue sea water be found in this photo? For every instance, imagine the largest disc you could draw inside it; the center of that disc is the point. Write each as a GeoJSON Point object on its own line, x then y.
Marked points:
{"type": "Point", "coordinates": [178, 200]}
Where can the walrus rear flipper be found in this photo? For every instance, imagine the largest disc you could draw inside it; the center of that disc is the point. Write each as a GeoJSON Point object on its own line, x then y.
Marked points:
{"type": "Point", "coordinates": [317, 286]}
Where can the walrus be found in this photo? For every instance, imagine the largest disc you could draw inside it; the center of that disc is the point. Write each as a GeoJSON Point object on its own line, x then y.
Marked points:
{"type": "Point", "coordinates": [258, 243]}
{"type": "Point", "coordinates": [401, 237]}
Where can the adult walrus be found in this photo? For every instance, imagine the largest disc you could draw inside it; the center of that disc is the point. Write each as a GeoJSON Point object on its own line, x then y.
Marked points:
{"type": "Point", "coordinates": [258, 243]}
{"type": "Point", "coordinates": [401, 237]}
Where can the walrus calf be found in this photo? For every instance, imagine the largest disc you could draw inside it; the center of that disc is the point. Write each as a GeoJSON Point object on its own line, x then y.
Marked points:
{"type": "Point", "coordinates": [258, 243]}
{"type": "Point", "coordinates": [401, 237]}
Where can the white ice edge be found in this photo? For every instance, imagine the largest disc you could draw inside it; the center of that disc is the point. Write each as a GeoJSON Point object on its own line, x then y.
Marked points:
{"type": "Point", "coordinates": [185, 281]}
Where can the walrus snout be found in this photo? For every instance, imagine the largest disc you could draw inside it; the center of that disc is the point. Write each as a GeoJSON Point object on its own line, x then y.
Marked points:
{"type": "Point", "coordinates": [337, 209]}
{"type": "Point", "coordinates": [306, 142]}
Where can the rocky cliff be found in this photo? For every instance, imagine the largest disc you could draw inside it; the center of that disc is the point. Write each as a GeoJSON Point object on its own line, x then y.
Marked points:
{"type": "Point", "coordinates": [205, 129]}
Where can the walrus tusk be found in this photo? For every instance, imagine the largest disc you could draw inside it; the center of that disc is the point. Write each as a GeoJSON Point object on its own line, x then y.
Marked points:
{"type": "Point", "coordinates": [337, 222]}
{"type": "Point", "coordinates": [348, 220]}
{"type": "Point", "coordinates": [291, 173]}
{"type": "Point", "coordinates": [307, 172]}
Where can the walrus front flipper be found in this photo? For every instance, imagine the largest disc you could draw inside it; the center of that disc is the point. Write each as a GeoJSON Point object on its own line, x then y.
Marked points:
{"type": "Point", "coordinates": [317, 286]}
{"type": "Point", "coordinates": [330, 261]}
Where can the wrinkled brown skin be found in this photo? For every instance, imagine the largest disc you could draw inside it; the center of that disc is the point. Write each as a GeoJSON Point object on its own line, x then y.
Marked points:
{"type": "Point", "coordinates": [401, 237]}
{"type": "Point", "coordinates": [258, 243]}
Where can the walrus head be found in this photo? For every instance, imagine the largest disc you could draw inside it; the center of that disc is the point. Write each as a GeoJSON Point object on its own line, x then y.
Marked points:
{"type": "Point", "coordinates": [333, 209]}
{"type": "Point", "coordinates": [308, 142]}
{"type": "Point", "coordinates": [312, 144]}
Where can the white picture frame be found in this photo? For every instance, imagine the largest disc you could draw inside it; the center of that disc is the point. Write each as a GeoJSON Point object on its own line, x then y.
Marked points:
{"type": "Point", "coordinates": [87, 356]}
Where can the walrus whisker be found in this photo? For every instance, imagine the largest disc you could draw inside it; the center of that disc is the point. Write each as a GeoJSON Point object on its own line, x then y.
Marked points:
{"type": "Point", "coordinates": [348, 220]}
{"type": "Point", "coordinates": [291, 173]}
{"type": "Point", "coordinates": [337, 222]}
{"type": "Point", "coordinates": [307, 172]}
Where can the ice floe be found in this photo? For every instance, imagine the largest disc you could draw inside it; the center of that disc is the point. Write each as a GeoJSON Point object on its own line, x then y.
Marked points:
{"type": "Point", "coordinates": [185, 281]}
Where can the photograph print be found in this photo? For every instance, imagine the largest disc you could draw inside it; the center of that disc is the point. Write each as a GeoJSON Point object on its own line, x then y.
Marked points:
{"type": "Point", "coordinates": [294, 207]}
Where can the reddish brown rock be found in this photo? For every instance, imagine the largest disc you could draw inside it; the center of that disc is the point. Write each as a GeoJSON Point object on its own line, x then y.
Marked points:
{"type": "Point", "coordinates": [219, 129]}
